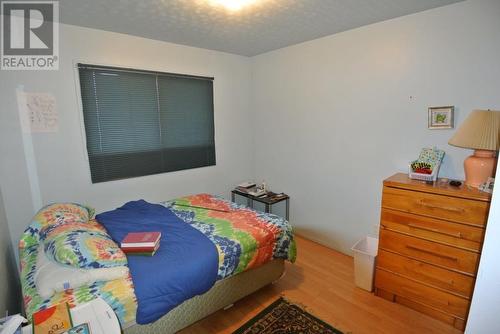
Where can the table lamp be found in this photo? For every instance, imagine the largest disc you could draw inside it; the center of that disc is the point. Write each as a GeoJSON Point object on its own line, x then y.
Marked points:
{"type": "Point", "coordinates": [481, 132]}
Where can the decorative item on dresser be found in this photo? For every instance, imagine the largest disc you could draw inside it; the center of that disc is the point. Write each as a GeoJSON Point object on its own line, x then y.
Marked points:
{"type": "Point", "coordinates": [430, 244]}
{"type": "Point", "coordinates": [480, 132]}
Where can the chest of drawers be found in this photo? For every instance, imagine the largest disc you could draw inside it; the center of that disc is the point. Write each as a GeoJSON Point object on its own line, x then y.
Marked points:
{"type": "Point", "coordinates": [430, 244]}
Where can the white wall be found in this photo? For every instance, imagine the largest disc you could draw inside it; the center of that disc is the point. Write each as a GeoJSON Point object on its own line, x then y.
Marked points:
{"type": "Point", "coordinates": [485, 309]}
{"type": "Point", "coordinates": [334, 116]}
{"type": "Point", "coordinates": [58, 161]}
{"type": "Point", "coordinates": [9, 285]}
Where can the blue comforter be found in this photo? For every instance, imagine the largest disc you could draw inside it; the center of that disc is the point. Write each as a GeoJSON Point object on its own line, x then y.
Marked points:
{"type": "Point", "coordinates": [184, 266]}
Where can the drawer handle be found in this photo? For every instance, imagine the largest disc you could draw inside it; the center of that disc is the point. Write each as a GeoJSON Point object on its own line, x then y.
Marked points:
{"type": "Point", "coordinates": [447, 208]}
{"type": "Point", "coordinates": [424, 228]}
{"type": "Point", "coordinates": [432, 253]}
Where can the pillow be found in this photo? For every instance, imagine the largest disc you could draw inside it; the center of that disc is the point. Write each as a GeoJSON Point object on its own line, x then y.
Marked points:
{"type": "Point", "coordinates": [50, 215]}
{"type": "Point", "coordinates": [83, 248]}
{"type": "Point", "coordinates": [64, 227]}
{"type": "Point", "coordinates": [51, 277]}
{"type": "Point", "coordinates": [63, 212]}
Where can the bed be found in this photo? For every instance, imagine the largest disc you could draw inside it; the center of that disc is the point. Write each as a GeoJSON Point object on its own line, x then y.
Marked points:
{"type": "Point", "coordinates": [250, 250]}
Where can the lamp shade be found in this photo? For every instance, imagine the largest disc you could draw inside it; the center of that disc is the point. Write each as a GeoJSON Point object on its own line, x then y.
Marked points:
{"type": "Point", "coordinates": [480, 131]}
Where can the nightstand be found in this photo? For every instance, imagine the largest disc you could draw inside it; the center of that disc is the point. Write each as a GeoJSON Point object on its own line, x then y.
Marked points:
{"type": "Point", "coordinates": [270, 203]}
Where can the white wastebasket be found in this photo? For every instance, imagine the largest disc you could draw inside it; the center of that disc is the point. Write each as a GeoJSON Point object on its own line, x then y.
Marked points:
{"type": "Point", "coordinates": [365, 253]}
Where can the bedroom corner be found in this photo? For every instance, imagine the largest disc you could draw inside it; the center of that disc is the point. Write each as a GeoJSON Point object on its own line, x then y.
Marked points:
{"type": "Point", "coordinates": [10, 296]}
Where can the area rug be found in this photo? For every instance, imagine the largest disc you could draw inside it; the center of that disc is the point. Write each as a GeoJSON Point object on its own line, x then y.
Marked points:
{"type": "Point", "coordinates": [283, 317]}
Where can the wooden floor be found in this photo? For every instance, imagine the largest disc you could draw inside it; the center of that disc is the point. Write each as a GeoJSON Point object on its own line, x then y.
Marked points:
{"type": "Point", "coordinates": [322, 281]}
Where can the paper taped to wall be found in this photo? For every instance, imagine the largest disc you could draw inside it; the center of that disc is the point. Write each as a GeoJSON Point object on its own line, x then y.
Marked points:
{"type": "Point", "coordinates": [38, 112]}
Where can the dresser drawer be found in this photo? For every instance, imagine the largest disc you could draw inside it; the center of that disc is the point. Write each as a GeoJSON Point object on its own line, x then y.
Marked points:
{"type": "Point", "coordinates": [459, 235]}
{"type": "Point", "coordinates": [420, 293]}
{"type": "Point", "coordinates": [455, 321]}
{"type": "Point", "coordinates": [428, 251]}
{"type": "Point", "coordinates": [456, 209]}
{"type": "Point", "coordinates": [426, 273]}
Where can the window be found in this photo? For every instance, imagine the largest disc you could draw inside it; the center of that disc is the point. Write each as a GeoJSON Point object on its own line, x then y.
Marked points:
{"type": "Point", "coordinates": [140, 122]}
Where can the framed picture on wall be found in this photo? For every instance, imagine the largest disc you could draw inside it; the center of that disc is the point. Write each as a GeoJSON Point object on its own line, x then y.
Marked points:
{"type": "Point", "coordinates": [441, 117]}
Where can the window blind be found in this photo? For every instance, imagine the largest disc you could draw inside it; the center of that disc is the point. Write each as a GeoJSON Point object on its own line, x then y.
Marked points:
{"type": "Point", "coordinates": [141, 122]}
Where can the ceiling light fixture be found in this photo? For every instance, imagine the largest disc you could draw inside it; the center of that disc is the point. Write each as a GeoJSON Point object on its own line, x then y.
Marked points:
{"type": "Point", "coordinates": [233, 5]}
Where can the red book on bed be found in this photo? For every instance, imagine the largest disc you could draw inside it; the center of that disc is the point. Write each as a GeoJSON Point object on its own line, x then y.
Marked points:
{"type": "Point", "coordinates": [144, 251]}
{"type": "Point", "coordinates": [142, 240]}
{"type": "Point", "coordinates": [140, 249]}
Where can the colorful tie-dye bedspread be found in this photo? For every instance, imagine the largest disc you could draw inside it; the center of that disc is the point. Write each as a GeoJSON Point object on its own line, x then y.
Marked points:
{"type": "Point", "coordinates": [119, 294]}
{"type": "Point", "coordinates": [244, 238]}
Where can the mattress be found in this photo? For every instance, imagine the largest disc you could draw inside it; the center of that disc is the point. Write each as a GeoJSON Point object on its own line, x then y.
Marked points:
{"type": "Point", "coordinates": [224, 293]}
{"type": "Point", "coordinates": [243, 238]}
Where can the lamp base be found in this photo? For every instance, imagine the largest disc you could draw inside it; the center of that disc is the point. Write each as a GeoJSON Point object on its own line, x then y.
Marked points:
{"type": "Point", "coordinates": [478, 167]}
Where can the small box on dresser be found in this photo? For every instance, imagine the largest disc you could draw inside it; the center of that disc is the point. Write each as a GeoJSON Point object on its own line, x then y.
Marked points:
{"type": "Point", "coordinates": [430, 245]}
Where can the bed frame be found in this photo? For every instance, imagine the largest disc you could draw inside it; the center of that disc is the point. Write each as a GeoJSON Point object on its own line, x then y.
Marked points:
{"type": "Point", "coordinates": [224, 293]}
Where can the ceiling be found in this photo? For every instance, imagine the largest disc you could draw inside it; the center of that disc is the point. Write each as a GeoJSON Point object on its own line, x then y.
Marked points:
{"type": "Point", "coordinates": [260, 27]}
